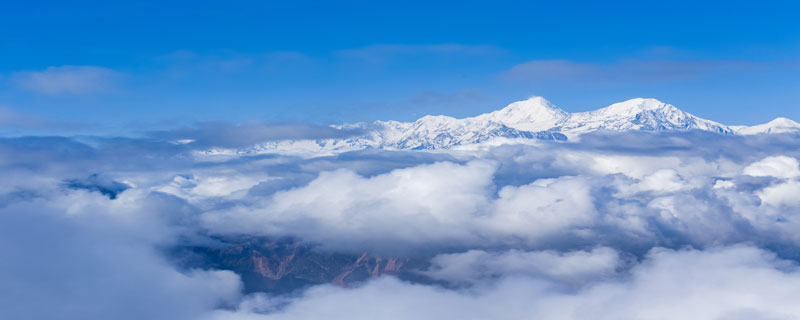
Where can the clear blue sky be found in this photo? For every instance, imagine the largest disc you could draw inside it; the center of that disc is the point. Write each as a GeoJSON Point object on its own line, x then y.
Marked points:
{"type": "Point", "coordinates": [149, 63]}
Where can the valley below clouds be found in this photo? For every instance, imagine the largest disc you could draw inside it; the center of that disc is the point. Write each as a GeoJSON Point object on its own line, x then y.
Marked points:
{"type": "Point", "coordinates": [630, 225]}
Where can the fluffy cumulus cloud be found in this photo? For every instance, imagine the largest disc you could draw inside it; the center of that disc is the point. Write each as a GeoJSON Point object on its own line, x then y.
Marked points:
{"type": "Point", "coordinates": [79, 255]}
{"type": "Point", "coordinates": [624, 226]}
{"type": "Point", "coordinates": [434, 202]}
{"type": "Point", "coordinates": [460, 204]}
{"type": "Point", "coordinates": [777, 166]}
{"type": "Point", "coordinates": [781, 194]}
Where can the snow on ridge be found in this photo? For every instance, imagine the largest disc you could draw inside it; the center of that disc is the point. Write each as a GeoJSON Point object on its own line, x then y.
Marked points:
{"type": "Point", "coordinates": [639, 114]}
{"type": "Point", "coordinates": [531, 119]}
{"type": "Point", "coordinates": [778, 125]}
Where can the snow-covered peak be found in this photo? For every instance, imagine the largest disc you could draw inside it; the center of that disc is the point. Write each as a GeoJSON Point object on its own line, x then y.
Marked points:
{"type": "Point", "coordinates": [533, 114]}
{"type": "Point", "coordinates": [435, 120]}
{"type": "Point", "coordinates": [635, 106]}
{"type": "Point", "coordinates": [638, 114]}
{"type": "Point", "coordinates": [783, 122]}
{"type": "Point", "coordinates": [535, 109]}
{"type": "Point", "coordinates": [779, 125]}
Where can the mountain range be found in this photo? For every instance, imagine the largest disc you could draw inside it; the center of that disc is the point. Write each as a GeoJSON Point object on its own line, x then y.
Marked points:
{"type": "Point", "coordinates": [531, 119]}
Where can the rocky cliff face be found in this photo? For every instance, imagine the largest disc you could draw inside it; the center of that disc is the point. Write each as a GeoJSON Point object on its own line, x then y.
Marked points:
{"type": "Point", "coordinates": [285, 265]}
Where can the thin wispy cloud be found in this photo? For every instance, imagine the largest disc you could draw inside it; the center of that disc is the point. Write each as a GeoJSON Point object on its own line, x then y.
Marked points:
{"type": "Point", "coordinates": [232, 62]}
{"type": "Point", "coordinates": [220, 134]}
{"type": "Point", "coordinates": [630, 71]}
{"type": "Point", "coordinates": [17, 121]}
{"type": "Point", "coordinates": [15, 118]}
{"type": "Point", "coordinates": [77, 80]}
{"type": "Point", "coordinates": [382, 53]}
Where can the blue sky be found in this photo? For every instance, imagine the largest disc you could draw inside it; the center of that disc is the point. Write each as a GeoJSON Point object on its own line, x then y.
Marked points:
{"type": "Point", "coordinates": [86, 65]}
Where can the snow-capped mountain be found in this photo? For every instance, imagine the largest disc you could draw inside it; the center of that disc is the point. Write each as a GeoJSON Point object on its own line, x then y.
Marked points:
{"type": "Point", "coordinates": [638, 114]}
{"type": "Point", "coordinates": [779, 125]}
{"type": "Point", "coordinates": [532, 119]}
{"type": "Point", "coordinates": [534, 114]}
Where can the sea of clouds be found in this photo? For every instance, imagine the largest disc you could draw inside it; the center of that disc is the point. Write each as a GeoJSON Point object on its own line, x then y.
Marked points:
{"type": "Point", "coordinates": [681, 225]}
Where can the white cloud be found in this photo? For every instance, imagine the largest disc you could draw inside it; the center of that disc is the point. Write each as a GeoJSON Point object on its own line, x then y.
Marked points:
{"type": "Point", "coordinates": [633, 166]}
{"type": "Point", "coordinates": [777, 166]}
{"type": "Point", "coordinates": [100, 261]}
{"type": "Point", "coordinates": [663, 181]}
{"type": "Point", "coordinates": [231, 183]}
{"type": "Point", "coordinates": [787, 193]}
{"type": "Point", "coordinates": [724, 184]}
{"type": "Point", "coordinates": [413, 205]}
{"type": "Point", "coordinates": [534, 211]}
{"type": "Point", "coordinates": [512, 227]}
{"type": "Point", "coordinates": [667, 199]}
{"type": "Point", "coordinates": [660, 182]}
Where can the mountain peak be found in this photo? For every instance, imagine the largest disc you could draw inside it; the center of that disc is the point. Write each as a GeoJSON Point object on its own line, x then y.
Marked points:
{"type": "Point", "coordinates": [781, 121]}
{"type": "Point", "coordinates": [777, 125]}
{"type": "Point", "coordinates": [532, 104]}
{"type": "Point", "coordinates": [535, 113]}
{"type": "Point", "coordinates": [639, 114]}
{"type": "Point", "coordinates": [635, 106]}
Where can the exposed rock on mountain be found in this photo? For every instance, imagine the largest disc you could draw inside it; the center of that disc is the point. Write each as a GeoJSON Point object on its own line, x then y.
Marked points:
{"type": "Point", "coordinates": [286, 265]}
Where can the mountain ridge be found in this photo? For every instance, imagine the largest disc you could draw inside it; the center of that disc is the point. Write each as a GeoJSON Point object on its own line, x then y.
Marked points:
{"type": "Point", "coordinates": [535, 118]}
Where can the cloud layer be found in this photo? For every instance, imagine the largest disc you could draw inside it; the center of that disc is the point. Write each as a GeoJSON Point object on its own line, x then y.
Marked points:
{"type": "Point", "coordinates": [635, 225]}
